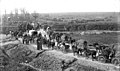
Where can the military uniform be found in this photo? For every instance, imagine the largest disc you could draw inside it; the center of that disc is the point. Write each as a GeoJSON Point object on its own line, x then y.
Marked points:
{"type": "Point", "coordinates": [25, 39]}
{"type": "Point", "coordinates": [74, 48]}
{"type": "Point", "coordinates": [85, 43]}
{"type": "Point", "coordinates": [39, 43]}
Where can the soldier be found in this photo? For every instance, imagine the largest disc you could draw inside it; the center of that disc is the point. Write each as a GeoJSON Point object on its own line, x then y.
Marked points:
{"type": "Point", "coordinates": [63, 37]}
{"type": "Point", "coordinates": [28, 39]}
{"type": "Point", "coordinates": [66, 47]}
{"type": "Point", "coordinates": [79, 48]}
{"type": "Point", "coordinates": [96, 45]}
{"type": "Point", "coordinates": [85, 44]}
{"type": "Point", "coordinates": [39, 42]}
{"type": "Point", "coordinates": [74, 48]}
{"type": "Point", "coordinates": [25, 36]}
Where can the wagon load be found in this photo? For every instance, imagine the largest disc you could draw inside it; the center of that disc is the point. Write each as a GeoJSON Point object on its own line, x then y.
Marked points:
{"type": "Point", "coordinates": [109, 55]}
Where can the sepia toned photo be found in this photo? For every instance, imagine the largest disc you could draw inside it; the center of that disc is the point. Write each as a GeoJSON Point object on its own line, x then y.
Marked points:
{"type": "Point", "coordinates": [59, 35]}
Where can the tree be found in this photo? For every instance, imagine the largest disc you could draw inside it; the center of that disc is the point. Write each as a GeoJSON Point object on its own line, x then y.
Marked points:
{"type": "Point", "coordinates": [16, 11]}
{"type": "Point", "coordinates": [35, 15]}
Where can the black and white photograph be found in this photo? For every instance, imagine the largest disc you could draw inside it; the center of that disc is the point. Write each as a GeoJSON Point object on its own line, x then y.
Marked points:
{"type": "Point", "coordinates": [59, 35]}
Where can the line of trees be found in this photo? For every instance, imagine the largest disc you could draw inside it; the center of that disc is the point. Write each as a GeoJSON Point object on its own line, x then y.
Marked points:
{"type": "Point", "coordinates": [83, 27]}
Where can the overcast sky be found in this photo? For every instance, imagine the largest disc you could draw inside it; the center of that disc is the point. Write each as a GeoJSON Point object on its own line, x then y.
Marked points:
{"type": "Point", "coordinates": [54, 6]}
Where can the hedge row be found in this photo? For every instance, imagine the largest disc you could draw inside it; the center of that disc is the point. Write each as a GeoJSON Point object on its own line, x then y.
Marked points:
{"type": "Point", "coordinates": [87, 26]}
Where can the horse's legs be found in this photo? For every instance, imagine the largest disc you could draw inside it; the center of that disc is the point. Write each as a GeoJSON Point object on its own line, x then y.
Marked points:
{"type": "Point", "coordinates": [30, 41]}
{"type": "Point", "coordinates": [23, 41]}
{"type": "Point", "coordinates": [86, 54]}
{"type": "Point", "coordinates": [33, 40]}
{"type": "Point", "coordinates": [78, 52]}
{"type": "Point", "coordinates": [93, 55]}
{"type": "Point", "coordinates": [74, 53]}
{"type": "Point", "coordinates": [27, 41]}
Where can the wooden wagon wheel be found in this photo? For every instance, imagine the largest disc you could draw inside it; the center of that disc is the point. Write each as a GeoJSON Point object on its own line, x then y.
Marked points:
{"type": "Point", "coordinates": [115, 61]}
{"type": "Point", "coordinates": [101, 59]}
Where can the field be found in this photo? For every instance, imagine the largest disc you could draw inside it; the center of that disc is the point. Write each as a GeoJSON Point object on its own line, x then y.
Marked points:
{"type": "Point", "coordinates": [101, 38]}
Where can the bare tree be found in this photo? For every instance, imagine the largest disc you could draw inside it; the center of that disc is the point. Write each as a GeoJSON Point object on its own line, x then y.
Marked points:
{"type": "Point", "coordinates": [16, 11]}
{"type": "Point", "coordinates": [23, 11]}
{"type": "Point", "coordinates": [35, 15]}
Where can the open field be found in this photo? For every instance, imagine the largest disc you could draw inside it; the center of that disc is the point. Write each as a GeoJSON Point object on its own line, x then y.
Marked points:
{"type": "Point", "coordinates": [101, 38]}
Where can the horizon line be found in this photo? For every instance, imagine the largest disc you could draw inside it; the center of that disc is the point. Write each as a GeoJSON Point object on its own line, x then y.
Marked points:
{"type": "Point", "coordinates": [60, 12]}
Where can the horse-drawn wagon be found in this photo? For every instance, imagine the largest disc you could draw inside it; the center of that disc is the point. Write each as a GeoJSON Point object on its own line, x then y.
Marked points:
{"type": "Point", "coordinates": [108, 54]}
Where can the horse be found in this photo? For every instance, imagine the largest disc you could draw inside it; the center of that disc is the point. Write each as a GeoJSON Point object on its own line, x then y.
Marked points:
{"type": "Point", "coordinates": [108, 53]}
{"type": "Point", "coordinates": [94, 50]}
{"type": "Point", "coordinates": [91, 52]}
{"type": "Point", "coordinates": [26, 38]}
{"type": "Point", "coordinates": [80, 46]}
{"type": "Point", "coordinates": [34, 33]}
{"type": "Point", "coordinates": [74, 48]}
{"type": "Point", "coordinates": [43, 33]}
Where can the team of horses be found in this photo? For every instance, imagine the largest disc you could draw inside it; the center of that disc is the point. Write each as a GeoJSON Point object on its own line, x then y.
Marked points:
{"type": "Point", "coordinates": [64, 42]}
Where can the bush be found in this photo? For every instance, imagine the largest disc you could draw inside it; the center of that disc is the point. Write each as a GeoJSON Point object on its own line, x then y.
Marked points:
{"type": "Point", "coordinates": [5, 30]}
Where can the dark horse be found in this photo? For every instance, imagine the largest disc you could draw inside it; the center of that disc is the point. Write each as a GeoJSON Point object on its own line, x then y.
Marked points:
{"type": "Point", "coordinates": [92, 52]}
{"type": "Point", "coordinates": [33, 36]}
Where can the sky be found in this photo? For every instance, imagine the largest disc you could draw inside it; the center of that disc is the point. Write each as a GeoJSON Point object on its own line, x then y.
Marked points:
{"type": "Point", "coordinates": [59, 6]}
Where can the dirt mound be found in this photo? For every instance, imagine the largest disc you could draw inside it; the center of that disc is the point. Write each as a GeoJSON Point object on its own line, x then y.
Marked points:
{"type": "Point", "coordinates": [21, 53]}
{"type": "Point", "coordinates": [12, 55]}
